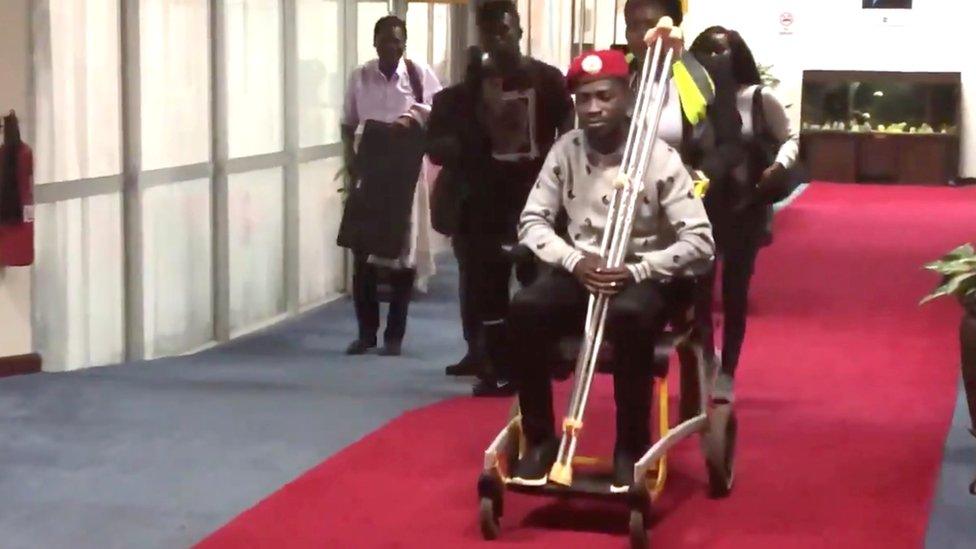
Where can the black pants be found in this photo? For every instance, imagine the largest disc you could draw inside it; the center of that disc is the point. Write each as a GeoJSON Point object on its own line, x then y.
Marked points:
{"type": "Point", "coordinates": [553, 307]}
{"type": "Point", "coordinates": [364, 282]}
{"type": "Point", "coordinates": [736, 266]}
{"type": "Point", "coordinates": [485, 276]}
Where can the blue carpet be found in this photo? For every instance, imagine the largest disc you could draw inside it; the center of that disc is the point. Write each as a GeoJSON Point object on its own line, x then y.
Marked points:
{"type": "Point", "coordinates": [953, 519]}
{"type": "Point", "coordinates": [161, 453]}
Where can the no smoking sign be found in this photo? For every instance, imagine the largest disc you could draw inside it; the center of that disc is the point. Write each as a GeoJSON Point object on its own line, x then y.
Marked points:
{"type": "Point", "coordinates": [786, 21]}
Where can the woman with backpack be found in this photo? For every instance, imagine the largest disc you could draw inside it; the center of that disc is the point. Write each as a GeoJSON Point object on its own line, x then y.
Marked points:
{"type": "Point", "coordinates": [740, 210]}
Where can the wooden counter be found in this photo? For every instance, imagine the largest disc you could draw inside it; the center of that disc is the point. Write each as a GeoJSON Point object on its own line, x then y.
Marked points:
{"type": "Point", "coordinates": [878, 157]}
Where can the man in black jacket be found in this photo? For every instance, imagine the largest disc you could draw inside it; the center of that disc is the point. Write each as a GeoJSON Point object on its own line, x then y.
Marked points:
{"type": "Point", "coordinates": [491, 133]}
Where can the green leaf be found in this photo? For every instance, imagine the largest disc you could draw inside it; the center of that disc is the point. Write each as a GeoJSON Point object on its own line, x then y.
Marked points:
{"type": "Point", "coordinates": [959, 267]}
{"type": "Point", "coordinates": [966, 250]}
{"type": "Point", "coordinates": [958, 285]}
{"type": "Point", "coordinates": [960, 260]}
{"type": "Point", "coordinates": [941, 291]}
{"type": "Point", "coordinates": [956, 281]}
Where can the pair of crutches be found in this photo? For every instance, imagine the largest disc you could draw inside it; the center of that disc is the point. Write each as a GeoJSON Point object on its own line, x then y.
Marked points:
{"type": "Point", "coordinates": [628, 186]}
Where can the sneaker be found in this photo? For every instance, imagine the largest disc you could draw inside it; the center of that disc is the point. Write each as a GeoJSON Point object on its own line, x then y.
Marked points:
{"type": "Point", "coordinates": [623, 471]}
{"type": "Point", "coordinates": [533, 468]}
{"type": "Point", "coordinates": [392, 348]}
{"type": "Point", "coordinates": [467, 366]}
{"type": "Point", "coordinates": [493, 388]}
{"type": "Point", "coordinates": [360, 346]}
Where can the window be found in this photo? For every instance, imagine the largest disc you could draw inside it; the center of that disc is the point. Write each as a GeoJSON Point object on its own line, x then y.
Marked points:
{"type": "Point", "coordinates": [175, 85]}
{"type": "Point", "coordinates": [254, 77]}
{"type": "Point", "coordinates": [79, 127]}
{"type": "Point", "coordinates": [430, 35]}
{"type": "Point", "coordinates": [153, 240]}
{"type": "Point", "coordinates": [320, 78]}
{"type": "Point", "coordinates": [177, 267]}
{"type": "Point", "coordinates": [257, 264]}
{"type": "Point", "coordinates": [367, 14]}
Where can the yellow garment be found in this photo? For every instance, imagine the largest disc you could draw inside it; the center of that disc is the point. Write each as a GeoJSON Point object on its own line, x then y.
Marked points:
{"type": "Point", "coordinates": [701, 182]}
{"type": "Point", "coordinates": [695, 87]}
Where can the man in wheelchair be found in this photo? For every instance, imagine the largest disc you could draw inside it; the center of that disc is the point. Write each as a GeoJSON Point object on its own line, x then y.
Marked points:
{"type": "Point", "coordinates": [670, 244]}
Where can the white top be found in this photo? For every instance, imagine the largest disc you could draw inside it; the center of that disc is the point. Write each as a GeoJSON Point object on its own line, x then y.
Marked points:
{"type": "Point", "coordinates": [371, 96]}
{"type": "Point", "coordinates": [777, 122]}
{"type": "Point", "coordinates": [671, 233]}
{"type": "Point", "coordinates": [671, 128]}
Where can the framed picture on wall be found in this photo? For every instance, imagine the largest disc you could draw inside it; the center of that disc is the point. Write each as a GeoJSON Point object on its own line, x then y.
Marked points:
{"type": "Point", "coordinates": [886, 4]}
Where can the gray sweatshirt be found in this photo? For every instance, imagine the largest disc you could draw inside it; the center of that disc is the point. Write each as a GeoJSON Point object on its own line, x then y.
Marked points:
{"type": "Point", "coordinates": [671, 236]}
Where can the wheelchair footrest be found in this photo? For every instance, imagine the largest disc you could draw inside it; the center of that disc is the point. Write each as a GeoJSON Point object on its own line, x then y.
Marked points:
{"type": "Point", "coordinates": [594, 483]}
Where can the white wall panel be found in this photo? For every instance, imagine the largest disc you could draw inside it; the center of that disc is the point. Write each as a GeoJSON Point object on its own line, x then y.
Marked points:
{"type": "Point", "coordinates": [177, 260]}
{"type": "Point", "coordinates": [367, 14]}
{"type": "Point", "coordinates": [256, 247]}
{"type": "Point", "coordinates": [254, 77]}
{"type": "Point", "coordinates": [320, 79]}
{"type": "Point", "coordinates": [175, 82]}
{"type": "Point", "coordinates": [322, 274]}
{"type": "Point", "coordinates": [78, 273]}
{"type": "Point", "coordinates": [77, 80]}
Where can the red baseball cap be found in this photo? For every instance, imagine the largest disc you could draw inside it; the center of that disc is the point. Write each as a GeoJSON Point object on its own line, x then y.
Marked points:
{"type": "Point", "coordinates": [597, 65]}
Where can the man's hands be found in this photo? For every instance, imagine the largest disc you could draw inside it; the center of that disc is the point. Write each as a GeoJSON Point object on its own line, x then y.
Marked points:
{"type": "Point", "coordinates": [670, 36]}
{"type": "Point", "coordinates": [598, 279]}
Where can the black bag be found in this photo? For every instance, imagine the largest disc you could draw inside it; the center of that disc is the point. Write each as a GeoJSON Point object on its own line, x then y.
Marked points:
{"type": "Point", "coordinates": [445, 203]}
{"type": "Point", "coordinates": [376, 219]}
{"type": "Point", "coordinates": [765, 149]}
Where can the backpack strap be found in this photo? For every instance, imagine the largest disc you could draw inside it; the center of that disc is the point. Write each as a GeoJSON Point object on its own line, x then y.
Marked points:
{"type": "Point", "coordinates": [759, 128]}
{"type": "Point", "coordinates": [416, 84]}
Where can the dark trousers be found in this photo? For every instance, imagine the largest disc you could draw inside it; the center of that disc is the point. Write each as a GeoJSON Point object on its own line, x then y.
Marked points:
{"type": "Point", "coordinates": [736, 266]}
{"type": "Point", "coordinates": [365, 278]}
{"type": "Point", "coordinates": [485, 276]}
{"type": "Point", "coordinates": [553, 307]}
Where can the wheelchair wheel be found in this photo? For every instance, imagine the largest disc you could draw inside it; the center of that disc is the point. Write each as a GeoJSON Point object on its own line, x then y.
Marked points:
{"type": "Point", "coordinates": [718, 445]}
{"type": "Point", "coordinates": [488, 519]}
{"type": "Point", "coordinates": [638, 530]}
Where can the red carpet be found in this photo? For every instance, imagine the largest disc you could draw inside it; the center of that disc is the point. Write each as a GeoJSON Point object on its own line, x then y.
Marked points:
{"type": "Point", "coordinates": [845, 394]}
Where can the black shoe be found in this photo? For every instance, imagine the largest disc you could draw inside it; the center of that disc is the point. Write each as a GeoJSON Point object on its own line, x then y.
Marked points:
{"type": "Point", "coordinates": [623, 471]}
{"type": "Point", "coordinates": [493, 388]}
{"type": "Point", "coordinates": [360, 346]}
{"type": "Point", "coordinates": [467, 366]}
{"type": "Point", "coordinates": [533, 468]}
{"type": "Point", "coordinates": [392, 348]}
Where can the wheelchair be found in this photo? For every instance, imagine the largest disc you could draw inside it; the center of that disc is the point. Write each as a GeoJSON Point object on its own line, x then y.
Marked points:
{"type": "Point", "coordinates": [715, 423]}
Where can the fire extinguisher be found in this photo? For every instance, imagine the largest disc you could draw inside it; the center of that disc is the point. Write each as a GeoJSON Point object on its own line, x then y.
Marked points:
{"type": "Point", "coordinates": [16, 197]}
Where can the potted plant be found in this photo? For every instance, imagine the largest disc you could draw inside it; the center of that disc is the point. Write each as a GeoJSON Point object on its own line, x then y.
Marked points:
{"type": "Point", "coordinates": [768, 78]}
{"type": "Point", "coordinates": [958, 270]}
